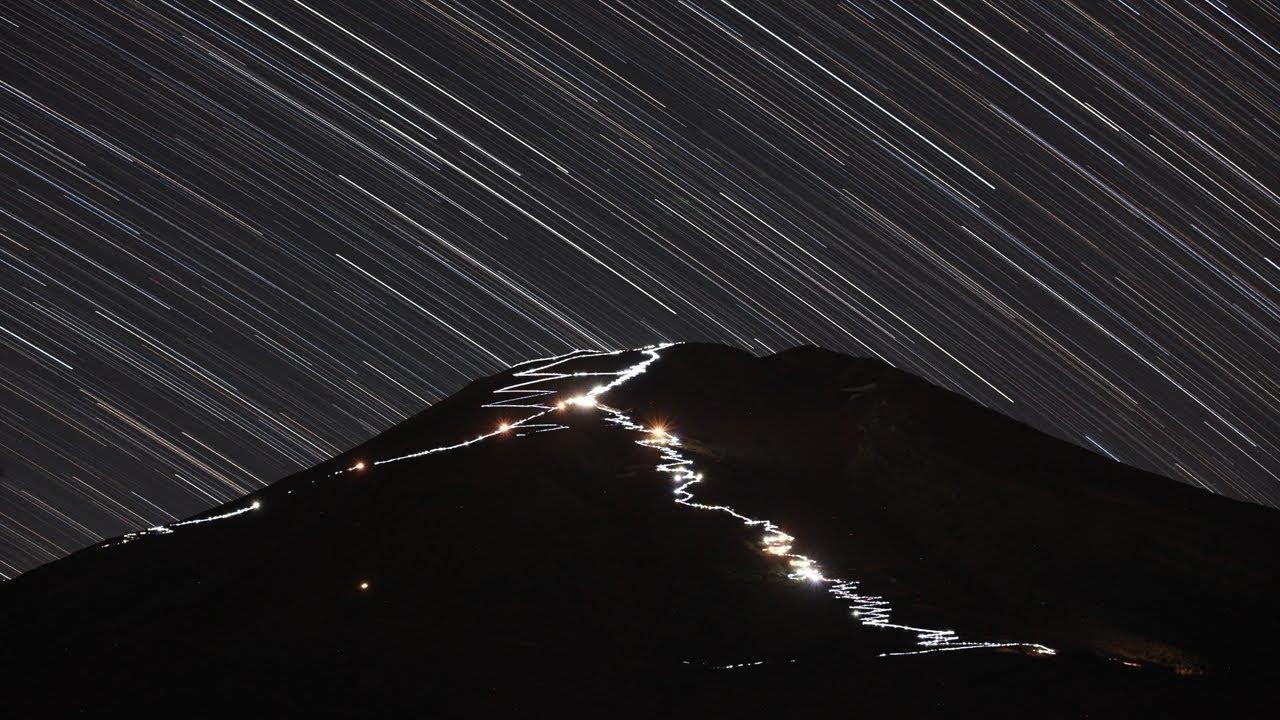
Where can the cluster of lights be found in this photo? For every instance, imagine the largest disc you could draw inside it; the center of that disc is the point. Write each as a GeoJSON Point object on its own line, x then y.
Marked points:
{"type": "Point", "coordinates": [738, 666]}
{"type": "Point", "coordinates": [777, 543]}
{"type": "Point", "coordinates": [356, 467]}
{"type": "Point", "coordinates": [582, 401]}
{"type": "Point", "coordinates": [802, 568]}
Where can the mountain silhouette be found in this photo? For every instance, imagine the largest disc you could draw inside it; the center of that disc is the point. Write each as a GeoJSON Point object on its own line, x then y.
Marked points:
{"type": "Point", "coordinates": [676, 530]}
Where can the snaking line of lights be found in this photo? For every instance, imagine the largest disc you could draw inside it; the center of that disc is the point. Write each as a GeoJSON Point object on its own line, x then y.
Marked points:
{"type": "Point", "coordinates": [869, 610]}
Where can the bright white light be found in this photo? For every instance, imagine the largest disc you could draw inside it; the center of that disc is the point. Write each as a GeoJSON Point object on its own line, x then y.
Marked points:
{"type": "Point", "coordinates": [364, 585]}
{"type": "Point", "coordinates": [504, 427]}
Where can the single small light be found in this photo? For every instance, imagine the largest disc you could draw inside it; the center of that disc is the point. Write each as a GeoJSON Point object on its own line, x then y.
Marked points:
{"type": "Point", "coordinates": [364, 585]}
{"type": "Point", "coordinates": [560, 405]}
{"type": "Point", "coordinates": [256, 504]}
{"type": "Point", "coordinates": [359, 465]}
{"type": "Point", "coordinates": [504, 427]}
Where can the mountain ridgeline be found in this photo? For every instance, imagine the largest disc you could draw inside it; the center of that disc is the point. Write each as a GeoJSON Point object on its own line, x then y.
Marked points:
{"type": "Point", "coordinates": [681, 530]}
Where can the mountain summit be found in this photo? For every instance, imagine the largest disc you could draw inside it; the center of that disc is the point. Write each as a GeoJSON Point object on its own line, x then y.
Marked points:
{"type": "Point", "coordinates": [673, 530]}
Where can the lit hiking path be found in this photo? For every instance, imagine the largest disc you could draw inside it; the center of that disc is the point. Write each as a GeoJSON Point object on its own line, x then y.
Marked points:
{"type": "Point", "coordinates": [547, 403]}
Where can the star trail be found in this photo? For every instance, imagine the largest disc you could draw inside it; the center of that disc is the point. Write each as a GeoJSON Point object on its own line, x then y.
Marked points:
{"type": "Point", "coordinates": [239, 237]}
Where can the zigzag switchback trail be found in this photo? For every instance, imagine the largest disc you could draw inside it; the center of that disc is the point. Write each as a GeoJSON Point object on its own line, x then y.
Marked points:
{"type": "Point", "coordinates": [674, 526]}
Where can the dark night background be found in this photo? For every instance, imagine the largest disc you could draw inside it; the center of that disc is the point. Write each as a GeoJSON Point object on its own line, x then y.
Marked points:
{"type": "Point", "coordinates": [237, 238]}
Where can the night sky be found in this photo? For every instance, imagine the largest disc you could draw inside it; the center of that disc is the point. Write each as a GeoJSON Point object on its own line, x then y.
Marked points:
{"type": "Point", "coordinates": [237, 238]}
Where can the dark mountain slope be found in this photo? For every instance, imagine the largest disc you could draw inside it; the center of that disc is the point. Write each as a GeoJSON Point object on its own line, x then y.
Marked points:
{"type": "Point", "coordinates": [946, 499]}
{"type": "Point", "coordinates": [551, 571]}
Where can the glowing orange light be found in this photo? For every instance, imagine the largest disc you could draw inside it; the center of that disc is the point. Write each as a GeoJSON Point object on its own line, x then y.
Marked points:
{"type": "Point", "coordinates": [504, 427]}
{"type": "Point", "coordinates": [560, 405]}
{"type": "Point", "coordinates": [359, 465]}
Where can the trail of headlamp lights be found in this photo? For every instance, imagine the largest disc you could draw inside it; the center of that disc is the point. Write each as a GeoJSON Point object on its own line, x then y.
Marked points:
{"type": "Point", "coordinates": [868, 610]}
{"type": "Point", "coordinates": [539, 374]}
{"type": "Point", "coordinates": [168, 529]}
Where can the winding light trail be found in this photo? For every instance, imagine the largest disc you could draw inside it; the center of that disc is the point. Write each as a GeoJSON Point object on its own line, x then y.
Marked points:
{"type": "Point", "coordinates": [868, 610]}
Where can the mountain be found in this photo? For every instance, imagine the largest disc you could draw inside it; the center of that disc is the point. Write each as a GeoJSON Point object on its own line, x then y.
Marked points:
{"type": "Point", "coordinates": [677, 530]}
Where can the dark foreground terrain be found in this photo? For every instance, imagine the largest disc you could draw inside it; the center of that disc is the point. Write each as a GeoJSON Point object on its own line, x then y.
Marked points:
{"type": "Point", "coordinates": [552, 572]}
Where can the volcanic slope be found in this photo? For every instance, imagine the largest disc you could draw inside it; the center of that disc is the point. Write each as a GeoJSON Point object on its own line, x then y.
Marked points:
{"type": "Point", "coordinates": [682, 529]}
